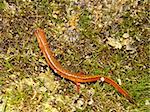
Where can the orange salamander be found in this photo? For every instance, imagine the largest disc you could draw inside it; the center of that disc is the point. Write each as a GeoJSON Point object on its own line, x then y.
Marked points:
{"type": "Point", "coordinates": [77, 78]}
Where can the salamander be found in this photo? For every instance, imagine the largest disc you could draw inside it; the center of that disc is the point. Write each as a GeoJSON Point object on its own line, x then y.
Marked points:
{"type": "Point", "coordinates": [77, 78]}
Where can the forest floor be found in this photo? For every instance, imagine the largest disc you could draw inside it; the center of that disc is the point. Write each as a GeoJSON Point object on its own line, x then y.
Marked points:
{"type": "Point", "coordinates": [110, 38]}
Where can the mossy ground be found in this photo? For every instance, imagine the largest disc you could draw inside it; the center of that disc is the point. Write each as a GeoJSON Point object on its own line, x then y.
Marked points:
{"type": "Point", "coordinates": [108, 38]}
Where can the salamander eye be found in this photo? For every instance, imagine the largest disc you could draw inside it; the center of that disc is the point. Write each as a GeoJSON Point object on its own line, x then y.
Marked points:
{"type": "Point", "coordinates": [102, 79]}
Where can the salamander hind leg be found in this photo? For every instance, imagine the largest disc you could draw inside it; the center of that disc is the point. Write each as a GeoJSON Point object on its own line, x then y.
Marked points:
{"type": "Point", "coordinates": [80, 74]}
{"type": "Point", "coordinates": [78, 86]}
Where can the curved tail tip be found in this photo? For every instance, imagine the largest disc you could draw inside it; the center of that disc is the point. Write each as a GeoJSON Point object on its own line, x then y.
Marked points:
{"type": "Point", "coordinates": [131, 100]}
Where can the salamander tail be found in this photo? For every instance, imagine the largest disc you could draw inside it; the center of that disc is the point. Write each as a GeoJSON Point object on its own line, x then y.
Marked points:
{"type": "Point", "coordinates": [119, 89]}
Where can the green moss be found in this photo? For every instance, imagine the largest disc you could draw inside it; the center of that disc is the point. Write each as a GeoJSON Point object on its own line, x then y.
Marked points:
{"type": "Point", "coordinates": [2, 5]}
{"type": "Point", "coordinates": [85, 19]}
